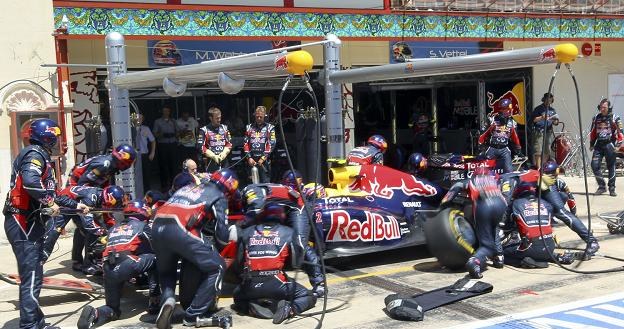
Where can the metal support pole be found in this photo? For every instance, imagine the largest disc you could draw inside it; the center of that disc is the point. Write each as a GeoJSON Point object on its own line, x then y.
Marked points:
{"type": "Point", "coordinates": [333, 104]}
{"type": "Point", "coordinates": [393, 123]}
{"type": "Point", "coordinates": [434, 118]}
{"type": "Point", "coordinates": [119, 104]}
{"type": "Point", "coordinates": [481, 104]}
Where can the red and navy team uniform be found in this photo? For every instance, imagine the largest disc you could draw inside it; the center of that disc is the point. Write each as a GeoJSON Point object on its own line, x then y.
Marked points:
{"type": "Point", "coordinates": [33, 186]}
{"type": "Point", "coordinates": [497, 137]}
{"type": "Point", "coordinates": [187, 227]}
{"type": "Point", "coordinates": [528, 241]}
{"type": "Point", "coordinates": [256, 196]}
{"type": "Point", "coordinates": [215, 139]}
{"type": "Point", "coordinates": [90, 226]}
{"type": "Point", "coordinates": [509, 182]}
{"type": "Point", "coordinates": [128, 254]}
{"type": "Point", "coordinates": [96, 171]}
{"type": "Point", "coordinates": [606, 132]}
{"type": "Point", "coordinates": [368, 154]}
{"type": "Point", "coordinates": [259, 143]}
{"type": "Point", "coordinates": [264, 251]}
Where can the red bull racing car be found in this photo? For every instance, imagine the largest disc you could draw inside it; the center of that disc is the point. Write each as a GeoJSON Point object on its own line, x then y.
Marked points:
{"type": "Point", "coordinates": [373, 208]}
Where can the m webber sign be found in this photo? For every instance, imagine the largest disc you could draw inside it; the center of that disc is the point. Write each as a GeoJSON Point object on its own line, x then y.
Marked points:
{"type": "Point", "coordinates": [183, 52]}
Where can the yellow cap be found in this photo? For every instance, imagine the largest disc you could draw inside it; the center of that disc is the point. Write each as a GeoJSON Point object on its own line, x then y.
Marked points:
{"type": "Point", "coordinates": [566, 52]}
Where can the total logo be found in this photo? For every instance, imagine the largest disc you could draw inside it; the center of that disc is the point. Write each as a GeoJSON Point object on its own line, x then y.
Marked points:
{"type": "Point", "coordinates": [376, 227]}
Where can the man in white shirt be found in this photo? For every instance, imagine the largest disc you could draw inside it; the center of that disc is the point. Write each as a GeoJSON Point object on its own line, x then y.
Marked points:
{"type": "Point", "coordinates": [187, 136]}
{"type": "Point", "coordinates": [146, 146]}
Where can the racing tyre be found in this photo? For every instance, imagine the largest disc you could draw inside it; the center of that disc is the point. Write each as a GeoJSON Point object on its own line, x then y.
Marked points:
{"type": "Point", "coordinates": [450, 238]}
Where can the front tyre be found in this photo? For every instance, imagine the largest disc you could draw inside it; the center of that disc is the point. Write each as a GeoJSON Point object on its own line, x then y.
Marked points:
{"type": "Point", "coordinates": [450, 238]}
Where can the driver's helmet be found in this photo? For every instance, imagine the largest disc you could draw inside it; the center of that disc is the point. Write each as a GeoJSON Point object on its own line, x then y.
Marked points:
{"type": "Point", "coordinates": [112, 197]}
{"type": "Point", "coordinates": [311, 188]}
{"type": "Point", "coordinates": [550, 167]}
{"type": "Point", "coordinates": [124, 156]}
{"type": "Point", "coordinates": [379, 142]}
{"type": "Point", "coordinates": [226, 180]}
{"type": "Point", "coordinates": [292, 179]}
{"type": "Point", "coordinates": [416, 163]}
{"type": "Point", "coordinates": [138, 210]}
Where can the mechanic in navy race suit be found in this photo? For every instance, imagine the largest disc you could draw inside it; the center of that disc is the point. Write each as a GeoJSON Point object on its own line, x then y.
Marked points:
{"type": "Point", "coordinates": [93, 226]}
{"type": "Point", "coordinates": [552, 168]}
{"type": "Point", "coordinates": [312, 261]}
{"type": "Point", "coordinates": [97, 171]}
{"type": "Point", "coordinates": [495, 140]}
{"type": "Point", "coordinates": [605, 136]}
{"type": "Point", "coordinates": [33, 186]}
{"type": "Point", "coordinates": [255, 196]}
{"type": "Point", "coordinates": [488, 208]}
{"type": "Point", "coordinates": [263, 250]}
{"type": "Point", "coordinates": [259, 144]}
{"type": "Point", "coordinates": [128, 254]}
{"type": "Point", "coordinates": [100, 169]}
{"type": "Point", "coordinates": [179, 232]}
{"type": "Point", "coordinates": [371, 153]}
{"type": "Point", "coordinates": [510, 181]}
{"type": "Point", "coordinates": [525, 247]}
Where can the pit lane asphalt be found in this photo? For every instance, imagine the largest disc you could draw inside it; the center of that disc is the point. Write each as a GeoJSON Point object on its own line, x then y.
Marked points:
{"type": "Point", "coordinates": [363, 282]}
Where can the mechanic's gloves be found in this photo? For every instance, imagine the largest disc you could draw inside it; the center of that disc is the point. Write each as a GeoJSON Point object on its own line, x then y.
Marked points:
{"type": "Point", "coordinates": [402, 307]}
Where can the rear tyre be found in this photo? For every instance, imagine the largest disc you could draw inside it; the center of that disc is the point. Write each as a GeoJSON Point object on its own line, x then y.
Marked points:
{"type": "Point", "coordinates": [450, 238]}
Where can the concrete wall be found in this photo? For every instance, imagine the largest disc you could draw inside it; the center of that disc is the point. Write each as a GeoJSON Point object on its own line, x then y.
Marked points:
{"type": "Point", "coordinates": [93, 52]}
{"type": "Point", "coordinates": [27, 26]}
{"type": "Point", "coordinates": [592, 76]}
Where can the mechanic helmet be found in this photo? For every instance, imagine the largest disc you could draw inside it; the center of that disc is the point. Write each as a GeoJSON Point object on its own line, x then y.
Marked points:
{"type": "Point", "coordinates": [138, 210]}
{"type": "Point", "coordinates": [226, 180]}
{"type": "Point", "coordinates": [44, 132]}
{"type": "Point", "coordinates": [550, 167]}
{"type": "Point", "coordinates": [273, 212]}
{"type": "Point", "coordinates": [416, 163]}
{"type": "Point", "coordinates": [152, 197]}
{"type": "Point", "coordinates": [182, 179]}
{"type": "Point", "coordinates": [292, 179]}
{"type": "Point", "coordinates": [124, 156]}
{"type": "Point", "coordinates": [505, 107]}
{"type": "Point", "coordinates": [309, 190]}
{"type": "Point", "coordinates": [525, 188]}
{"type": "Point", "coordinates": [112, 197]}
{"type": "Point", "coordinates": [379, 142]}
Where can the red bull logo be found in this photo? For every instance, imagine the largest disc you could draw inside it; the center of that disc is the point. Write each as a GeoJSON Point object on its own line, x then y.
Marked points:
{"type": "Point", "coordinates": [497, 105]}
{"type": "Point", "coordinates": [376, 227]}
{"type": "Point", "coordinates": [384, 182]}
{"type": "Point", "coordinates": [547, 55]}
{"type": "Point", "coordinates": [124, 155]}
{"type": "Point", "coordinates": [55, 130]}
{"type": "Point", "coordinates": [281, 63]}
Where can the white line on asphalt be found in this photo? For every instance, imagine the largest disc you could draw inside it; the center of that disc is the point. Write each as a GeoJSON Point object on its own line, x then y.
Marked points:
{"type": "Point", "coordinates": [549, 323]}
{"type": "Point", "coordinates": [543, 311]}
{"type": "Point", "coordinates": [597, 317]}
{"type": "Point", "coordinates": [611, 308]}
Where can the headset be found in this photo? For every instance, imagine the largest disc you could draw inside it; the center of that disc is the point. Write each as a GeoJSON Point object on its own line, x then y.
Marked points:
{"type": "Point", "coordinates": [548, 96]}
{"type": "Point", "coordinates": [185, 167]}
{"type": "Point", "coordinates": [602, 100]}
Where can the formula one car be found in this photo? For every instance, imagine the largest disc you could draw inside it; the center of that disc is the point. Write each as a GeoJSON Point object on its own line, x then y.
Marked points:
{"type": "Point", "coordinates": [373, 208]}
